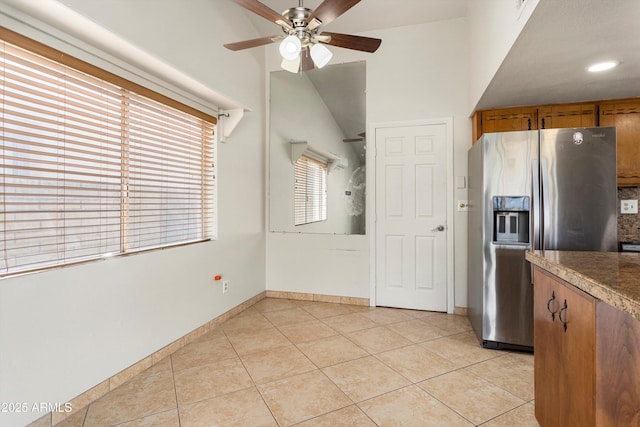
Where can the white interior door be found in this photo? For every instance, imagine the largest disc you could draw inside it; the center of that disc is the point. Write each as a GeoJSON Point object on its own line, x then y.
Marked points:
{"type": "Point", "coordinates": [411, 214]}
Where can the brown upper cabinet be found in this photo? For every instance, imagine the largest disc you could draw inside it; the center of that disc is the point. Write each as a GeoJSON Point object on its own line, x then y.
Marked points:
{"type": "Point", "coordinates": [567, 116]}
{"type": "Point", "coordinates": [509, 119]}
{"type": "Point", "coordinates": [625, 116]}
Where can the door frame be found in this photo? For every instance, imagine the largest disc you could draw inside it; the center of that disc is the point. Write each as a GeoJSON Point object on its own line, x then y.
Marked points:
{"type": "Point", "coordinates": [371, 201]}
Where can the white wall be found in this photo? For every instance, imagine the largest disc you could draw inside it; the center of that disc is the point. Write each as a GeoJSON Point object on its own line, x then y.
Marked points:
{"type": "Point", "coordinates": [494, 26]}
{"type": "Point", "coordinates": [419, 72]}
{"type": "Point", "coordinates": [298, 113]}
{"type": "Point", "coordinates": [64, 331]}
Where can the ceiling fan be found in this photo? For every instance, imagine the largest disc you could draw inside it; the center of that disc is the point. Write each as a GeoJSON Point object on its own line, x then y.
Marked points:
{"type": "Point", "coordinates": [361, 135]}
{"type": "Point", "coordinates": [302, 44]}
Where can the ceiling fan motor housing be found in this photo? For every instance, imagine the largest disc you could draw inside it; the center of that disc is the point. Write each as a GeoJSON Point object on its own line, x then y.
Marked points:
{"type": "Point", "coordinates": [306, 25]}
{"type": "Point", "coordinates": [298, 17]}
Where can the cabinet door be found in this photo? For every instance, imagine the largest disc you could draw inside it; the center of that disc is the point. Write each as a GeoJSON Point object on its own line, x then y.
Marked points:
{"type": "Point", "coordinates": [577, 379]}
{"type": "Point", "coordinates": [567, 116]}
{"type": "Point", "coordinates": [547, 353]}
{"type": "Point", "coordinates": [509, 119]}
{"type": "Point", "coordinates": [564, 358]}
{"type": "Point", "coordinates": [617, 367]}
{"type": "Point", "coordinates": [625, 116]}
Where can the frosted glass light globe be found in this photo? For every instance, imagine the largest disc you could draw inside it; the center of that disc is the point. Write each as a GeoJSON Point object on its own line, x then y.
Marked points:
{"type": "Point", "coordinates": [320, 55]}
{"type": "Point", "coordinates": [290, 47]}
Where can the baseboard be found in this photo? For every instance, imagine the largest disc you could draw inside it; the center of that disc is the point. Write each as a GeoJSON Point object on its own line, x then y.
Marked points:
{"type": "Point", "coordinates": [461, 311]}
{"type": "Point", "coordinates": [93, 394]}
{"type": "Point", "coordinates": [318, 297]}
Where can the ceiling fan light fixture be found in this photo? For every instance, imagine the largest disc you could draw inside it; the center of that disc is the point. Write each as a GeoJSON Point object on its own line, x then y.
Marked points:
{"type": "Point", "coordinates": [291, 65]}
{"type": "Point", "coordinates": [320, 55]}
{"type": "Point", "coordinates": [602, 66]}
{"type": "Point", "coordinates": [290, 47]}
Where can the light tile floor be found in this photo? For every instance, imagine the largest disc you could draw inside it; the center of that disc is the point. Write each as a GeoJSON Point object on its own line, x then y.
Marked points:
{"type": "Point", "coordinates": [284, 362]}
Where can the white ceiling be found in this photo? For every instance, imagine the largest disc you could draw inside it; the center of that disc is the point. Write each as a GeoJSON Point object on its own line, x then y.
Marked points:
{"type": "Point", "coordinates": [369, 15]}
{"type": "Point", "coordinates": [546, 64]}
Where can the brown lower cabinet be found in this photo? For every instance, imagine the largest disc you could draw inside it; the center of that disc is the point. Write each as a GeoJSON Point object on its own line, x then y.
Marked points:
{"type": "Point", "coordinates": [586, 358]}
{"type": "Point", "coordinates": [564, 353]}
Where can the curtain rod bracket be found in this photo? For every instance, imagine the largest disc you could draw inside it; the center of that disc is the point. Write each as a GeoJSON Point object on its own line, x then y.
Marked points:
{"type": "Point", "coordinates": [231, 120]}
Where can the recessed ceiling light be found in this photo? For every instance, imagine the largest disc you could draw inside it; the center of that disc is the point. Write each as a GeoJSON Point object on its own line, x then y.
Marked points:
{"type": "Point", "coordinates": [602, 66]}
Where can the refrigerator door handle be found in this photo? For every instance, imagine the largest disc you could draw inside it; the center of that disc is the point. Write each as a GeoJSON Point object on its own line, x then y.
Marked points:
{"type": "Point", "coordinates": [545, 238]}
{"type": "Point", "coordinates": [534, 237]}
{"type": "Point", "coordinates": [535, 211]}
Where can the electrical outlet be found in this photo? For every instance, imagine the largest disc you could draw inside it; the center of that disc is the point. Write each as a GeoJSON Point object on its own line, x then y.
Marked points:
{"type": "Point", "coordinates": [628, 206]}
{"type": "Point", "coordinates": [225, 286]}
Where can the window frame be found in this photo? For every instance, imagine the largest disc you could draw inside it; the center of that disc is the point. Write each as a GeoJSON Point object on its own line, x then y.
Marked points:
{"type": "Point", "coordinates": [310, 190]}
{"type": "Point", "coordinates": [125, 85]}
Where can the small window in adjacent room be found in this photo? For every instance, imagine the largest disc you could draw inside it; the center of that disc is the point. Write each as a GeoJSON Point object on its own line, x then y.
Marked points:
{"type": "Point", "coordinates": [92, 165]}
{"type": "Point", "coordinates": [310, 190]}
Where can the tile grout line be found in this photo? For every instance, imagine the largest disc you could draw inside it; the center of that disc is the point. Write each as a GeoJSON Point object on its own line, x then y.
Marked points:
{"type": "Point", "coordinates": [175, 389]}
{"type": "Point", "coordinates": [86, 414]}
{"type": "Point", "coordinates": [317, 368]}
{"type": "Point", "coordinates": [477, 376]}
{"type": "Point", "coordinates": [321, 369]}
{"type": "Point", "coordinates": [510, 410]}
{"type": "Point", "coordinates": [415, 384]}
{"type": "Point", "coordinates": [447, 406]}
{"type": "Point", "coordinates": [369, 354]}
{"type": "Point", "coordinates": [412, 383]}
{"type": "Point", "coordinates": [255, 386]}
{"type": "Point", "coordinates": [375, 355]}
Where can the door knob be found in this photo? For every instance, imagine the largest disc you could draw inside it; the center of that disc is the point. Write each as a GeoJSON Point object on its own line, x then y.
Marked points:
{"type": "Point", "coordinates": [439, 228]}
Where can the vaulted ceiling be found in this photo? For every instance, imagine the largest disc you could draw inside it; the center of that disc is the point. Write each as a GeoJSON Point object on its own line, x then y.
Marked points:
{"type": "Point", "coordinates": [546, 64]}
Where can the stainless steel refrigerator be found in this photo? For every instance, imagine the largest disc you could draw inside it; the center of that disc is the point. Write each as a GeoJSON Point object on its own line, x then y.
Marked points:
{"type": "Point", "coordinates": [549, 189]}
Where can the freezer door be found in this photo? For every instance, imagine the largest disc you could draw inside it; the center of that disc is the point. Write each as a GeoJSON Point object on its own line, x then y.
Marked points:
{"type": "Point", "coordinates": [578, 189]}
{"type": "Point", "coordinates": [511, 320]}
{"type": "Point", "coordinates": [507, 292]}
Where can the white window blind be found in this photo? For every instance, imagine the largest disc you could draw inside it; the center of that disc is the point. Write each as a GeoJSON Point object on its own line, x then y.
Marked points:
{"type": "Point", "coordinates": [89, 168]}
{"type": "Point", "coordinates": [310, 197]}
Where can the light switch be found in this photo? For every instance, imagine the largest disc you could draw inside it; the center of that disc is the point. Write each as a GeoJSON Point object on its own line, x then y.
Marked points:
{"type": "Point", "coordinates": [461, 182]}
{"type": "Point", "coordinates": [628, 206]}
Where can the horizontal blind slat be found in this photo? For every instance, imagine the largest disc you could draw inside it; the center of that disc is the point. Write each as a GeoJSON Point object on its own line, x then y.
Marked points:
{"type": "Point", "coordinates": [84, 162]}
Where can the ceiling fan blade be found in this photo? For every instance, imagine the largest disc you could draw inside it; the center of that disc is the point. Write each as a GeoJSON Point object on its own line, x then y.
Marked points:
{"type": "Point", "coordinates": [246, 44]}
{"type": "Point", "coordinates": [265, 11]}
{"type": "Point", "coordinates": [307, 62]}
{"type": "Point", "coordinates": [331, 9]}
{"type": "Point", "coordinates": [349, 41]}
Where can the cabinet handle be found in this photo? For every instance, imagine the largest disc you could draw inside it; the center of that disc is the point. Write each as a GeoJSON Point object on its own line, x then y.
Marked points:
{"type": "Point", "coordinates": [529, 123]}
{"type": "Point", "coordinates": [552, 300]}
{"type": "Point", "coordinates": [543, 124]}
{"type": "Point", "coordinates": [563, 309]}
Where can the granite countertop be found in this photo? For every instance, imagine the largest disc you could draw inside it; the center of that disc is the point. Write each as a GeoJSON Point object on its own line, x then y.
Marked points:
{"type": "Point", "coordinates": [612, 277]}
